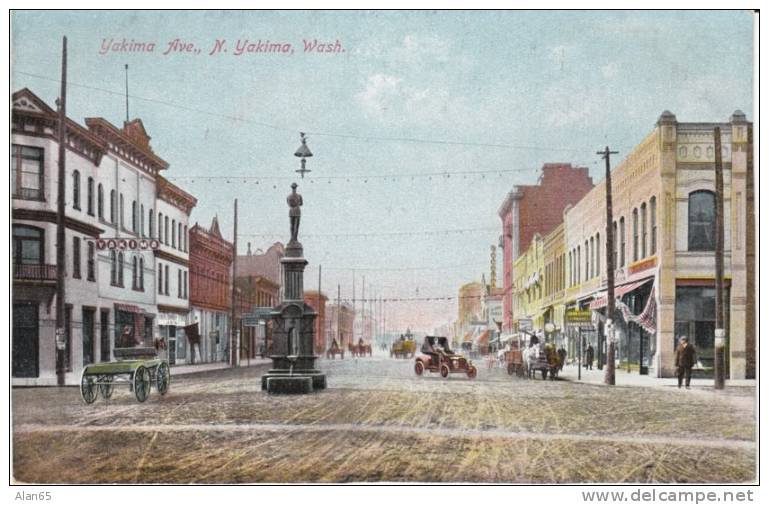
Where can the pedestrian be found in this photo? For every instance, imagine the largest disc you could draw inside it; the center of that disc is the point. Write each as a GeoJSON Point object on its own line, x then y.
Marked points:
{"type": "Point", "coordinates": [562, 356]}
{"type": "Point", "coordinates": [589, 355]}
{"type": "Point", "coordinates": [684, 361]}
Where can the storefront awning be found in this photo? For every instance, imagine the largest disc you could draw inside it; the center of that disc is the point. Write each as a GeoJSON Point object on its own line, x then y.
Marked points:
{"type": "Point", "coordinates": [620, 291]}
{"type": "Point", "coordinates": [125, 307]}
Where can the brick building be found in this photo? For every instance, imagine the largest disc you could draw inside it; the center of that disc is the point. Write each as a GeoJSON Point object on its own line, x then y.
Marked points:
{"type": "Point", "coordinates": [258, 285]}
{"type": "Point", "coordinates": [318, 302]}
{"type": "Point", "coordinates": [536, 209]}
{"type": "Point", "coordinates": [210, 289]}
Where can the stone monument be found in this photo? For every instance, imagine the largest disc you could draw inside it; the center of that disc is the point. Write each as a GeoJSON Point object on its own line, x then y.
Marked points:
{"type": "Point", "coordinates": [293, 361]}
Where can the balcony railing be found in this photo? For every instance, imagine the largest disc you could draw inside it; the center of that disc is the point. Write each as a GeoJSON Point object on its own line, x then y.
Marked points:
{"type": "Point", "coordinates": [38, 272]}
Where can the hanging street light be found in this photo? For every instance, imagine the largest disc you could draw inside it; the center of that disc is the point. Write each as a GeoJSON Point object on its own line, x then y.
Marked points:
{"type": "Point", "coordinates": [303, 152]}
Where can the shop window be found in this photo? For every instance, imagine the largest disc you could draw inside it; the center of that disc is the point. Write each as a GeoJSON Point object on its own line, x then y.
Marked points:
{"type": "Point", "coordinates": [695, 317]}
{"type": "Point", "coordinates": [702, 221]}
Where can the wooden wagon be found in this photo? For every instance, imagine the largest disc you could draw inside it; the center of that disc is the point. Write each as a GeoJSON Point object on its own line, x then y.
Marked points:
{"type": "Point", "coordinates": [137, 368]}
{"type": "Point", "coordinates": [334, 350]}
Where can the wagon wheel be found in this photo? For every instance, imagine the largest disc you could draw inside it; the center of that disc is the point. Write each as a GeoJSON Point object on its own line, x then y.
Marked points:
{"type": "Point", "coordinates": [87, 387]}
{"type": "Point", "coordinates": [419, 368]}
{"type": "Point", "coordinates": [445, 370]}
{"type": "Point", "coordinates": [544, 373]}
{"type": "Point", "coordinates": [472, 372]}
{"type": "Point", "coordinates": [163, 378]}
{"type": "Point", "coordinates": [510, 368]}
{"type": "Point", "coordinates": [105, 387]}
{"type": "Point", "coordinates": [142, 383]}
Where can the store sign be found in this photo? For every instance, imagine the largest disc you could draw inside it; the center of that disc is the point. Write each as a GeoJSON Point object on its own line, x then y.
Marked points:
{"type": "Point", "coordinates": [525, 325]}
{"type": "Point", "coordinates": [579, 316]}
{"type": "Point", "coordinates": [126, 244]}
{"type": "Point", "coordinates": [170, 319]}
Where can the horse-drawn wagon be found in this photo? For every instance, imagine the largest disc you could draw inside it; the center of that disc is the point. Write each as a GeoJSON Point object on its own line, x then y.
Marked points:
{"type": "Point", "coordinates": [138, 368]}
{"type": "Point", "coordinates": [334, 350]}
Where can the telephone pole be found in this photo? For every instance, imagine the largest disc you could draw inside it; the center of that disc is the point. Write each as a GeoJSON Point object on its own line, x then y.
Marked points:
{"type": "Point", "coordinates": [719, 365]}
{"type": "Point", "coordinates": [61, 246]}
{"type": "Point", "coordinates": [233, 326]}
{"type": "Point", "coordinates": [609, 326]}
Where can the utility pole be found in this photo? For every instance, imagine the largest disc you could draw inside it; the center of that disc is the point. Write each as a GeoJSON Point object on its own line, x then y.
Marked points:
{"type": "Point", "coordinates": [233, 328]}
{"type": "Point", "coordinates": [609, 326]}
{"type": "Point", "coordinates": [61, 246]}
{"type": "Point", "coordinates": [719, 365]}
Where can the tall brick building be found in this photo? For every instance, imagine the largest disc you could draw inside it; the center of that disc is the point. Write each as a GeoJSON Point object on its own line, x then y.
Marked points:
{"type": "Point", "coordinates": [536, 209]}
{"type": "Point", "coordinates": [210, 290]}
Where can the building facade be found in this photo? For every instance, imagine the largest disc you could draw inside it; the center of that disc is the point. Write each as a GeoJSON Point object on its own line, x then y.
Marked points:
{"type": "Point", "coordinates": [536, 209]}
{"type": "Point", "coordinates": [339, 323]}
{"type": "Point", "coordinates": [318, 302]}
{"type": "Point", "coordinates": [172, 264]}
{"type": "Point", "coordinates": [211, 260]}
{"type": "Point", "coordinates": [111, 209]}
{"type": "Point", "coordinates": [664, 254]}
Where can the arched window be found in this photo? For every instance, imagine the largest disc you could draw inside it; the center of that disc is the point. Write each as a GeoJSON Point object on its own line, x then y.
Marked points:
{"type": "Point", "coordinates": [587, 261]}
{"type": "Point", "coordinates": [622, 243]}
{"type": "Point", "coordinates": [653, 219]}
{"type": "Point", "coordinates": [135, 273]}
{"type": "Point", "coordinates": [644, 236]}
{"type": "Point", "coordinates": [100, 202]}
{"type": "Point", "coordinates": [160, 227]}
{"type": "Point", "coordinates": [173, 233]}
{"type": "Point", "coordinates": [702, 221]}
{"type": "Point", "coordinates": [165, 231]}
{"type": "Point", "coordinates": [122, 213]}
{"type": "Point", "coordinates": [152, 223]}
{"type": "Point", "coordinates": [635, 234]}
{"type": "Point", "coordinates": [120, 269]}
{"type": "Point", "coordinates": [571, 269]}
{"type": "Point", "coordinates": [112, 204]}
{"type": "Point", "coordinates": [597, 254]}
{"type": "Point", "coordinates": [76, 190]}
{"type": "Point", "coordinates": [113, 267]}
{"type": "Point", "coordinates": [28, 245]}
{"type": "Point", "coordinates": [90, 196]}
{"type": "Point", "coordinates": [134, 212]}
{"type": "Point", "coordinates": [160, 278]}
{"type": "Point", "coordinates": [141, 220]}
{"type": "Point", "coordinates": [141, 273]}
{"type": "Point", "coordinates": [186, 237]}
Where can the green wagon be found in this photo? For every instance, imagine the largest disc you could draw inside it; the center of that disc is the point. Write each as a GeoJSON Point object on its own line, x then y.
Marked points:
{"type": "Point", "coordinates": [140, 370]}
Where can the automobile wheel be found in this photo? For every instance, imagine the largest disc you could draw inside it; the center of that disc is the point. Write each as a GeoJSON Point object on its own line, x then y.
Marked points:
{"type": "Point", "coordinates": [445, 371]}
{"type": "Point", "coordinates": [472, 372]}
{"type": "Point", "coordinates": [419, 368]}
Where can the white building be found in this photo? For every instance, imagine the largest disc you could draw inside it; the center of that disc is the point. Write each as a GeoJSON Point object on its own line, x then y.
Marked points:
{"type": "Point", "coordinates": [110, 292]}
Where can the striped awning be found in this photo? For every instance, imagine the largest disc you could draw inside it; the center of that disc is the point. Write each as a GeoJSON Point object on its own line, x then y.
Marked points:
{"type": "Point", "coordinates": [620, 291]}
{"type": "Point", "coordinates": [125, 307]}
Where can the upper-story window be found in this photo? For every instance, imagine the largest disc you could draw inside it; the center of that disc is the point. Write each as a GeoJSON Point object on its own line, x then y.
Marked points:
{"type": "Point", "coordinates": [76, 190]}
{"type": "Point", "coordinates": [27, 172]}
{"type": "Point", "coordinates": [160, 227]}
{"type": "Point", "coordinates": [165, 231]}
{"type": "Point", "coordinates": [173, 233]}
{"type": "Point", "coordinates": [122, 211]}
{"type": "Point", "coordinates": [90, 197]}
{"type": "Point", "coordinates": [702, 221]}
{"type": "Point", "coordinates": [76, 257]}
{"type": "Point", "coordinates": [112, 204]}
{"type": "Point", "coordinates": [91, 266]}
{"type": "Point", "coordinates": [134, 211]}
{"type": "Point", "coordinates": [27, 245]}
{"type": "Point", "coordinates": [152, 223]}
{"type": "Point", "coordinates": [113, 267]}
{"type": "Point", "coordinates": [597, 254]}
{"type": "Point", "coordinates": [635, 234]}
{"type": "Point", "coordinates": [186, 237]}
{"type": "Point", "coordinates": [622, 243]}
{"type": "Point", "coordinates": [653, 219]}
{"type": "Point", "coordinates": [644, 236]}
{"type": "Point", "coordinates": [100, 202]}
{"type": "Point", "coordinates": [141, 220]}
{"type": "Point", "coordinates": [120, 265]}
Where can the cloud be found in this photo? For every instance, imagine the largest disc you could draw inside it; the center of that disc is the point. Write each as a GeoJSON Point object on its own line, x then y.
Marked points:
{"type": "Point", "coordinates": [610, 70]}
{"type": "Point", "coordinates": [421, 49]}
{"type": "Point", "coordinates": [380, 94]}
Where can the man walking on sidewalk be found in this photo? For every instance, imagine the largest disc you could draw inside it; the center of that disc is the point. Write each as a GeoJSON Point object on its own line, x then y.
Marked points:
{"type": "Point", "coordinates": [684, 361]}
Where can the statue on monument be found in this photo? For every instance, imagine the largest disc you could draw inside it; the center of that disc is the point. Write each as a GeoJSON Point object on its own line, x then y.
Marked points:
{"type": "Point", "coordinates": [295, 213]}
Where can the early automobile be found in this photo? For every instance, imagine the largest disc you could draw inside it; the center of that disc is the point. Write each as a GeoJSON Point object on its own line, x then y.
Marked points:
{"type": "Point", "coordinates": [437, 356]}
{"type": "Point", "coordinates": [404, 347]}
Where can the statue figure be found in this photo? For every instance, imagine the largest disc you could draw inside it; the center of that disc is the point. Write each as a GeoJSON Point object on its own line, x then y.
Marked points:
{"type": "Point", "coordinates": [295, 213]}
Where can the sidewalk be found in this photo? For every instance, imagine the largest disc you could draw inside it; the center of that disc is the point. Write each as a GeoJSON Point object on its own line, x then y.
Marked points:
{"type": "Point", "coordinates": [623, 378]}
{"type": "Point", "coordinates": [177, 370]}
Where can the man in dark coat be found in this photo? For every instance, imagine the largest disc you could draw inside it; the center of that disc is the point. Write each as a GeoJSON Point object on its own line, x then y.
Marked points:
{"type": "Point", "coordinates": [589, 355]}
{"type": "Point", "coordinates": [685, 360]}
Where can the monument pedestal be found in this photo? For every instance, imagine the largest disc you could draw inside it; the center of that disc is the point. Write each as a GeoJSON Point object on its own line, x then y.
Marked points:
{"type": "Point", "coordinates": [293, 362]}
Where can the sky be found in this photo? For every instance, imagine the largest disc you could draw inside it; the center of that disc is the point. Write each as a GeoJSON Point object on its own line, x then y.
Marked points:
{"type": "Point", "coordinates": [482, 98]}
